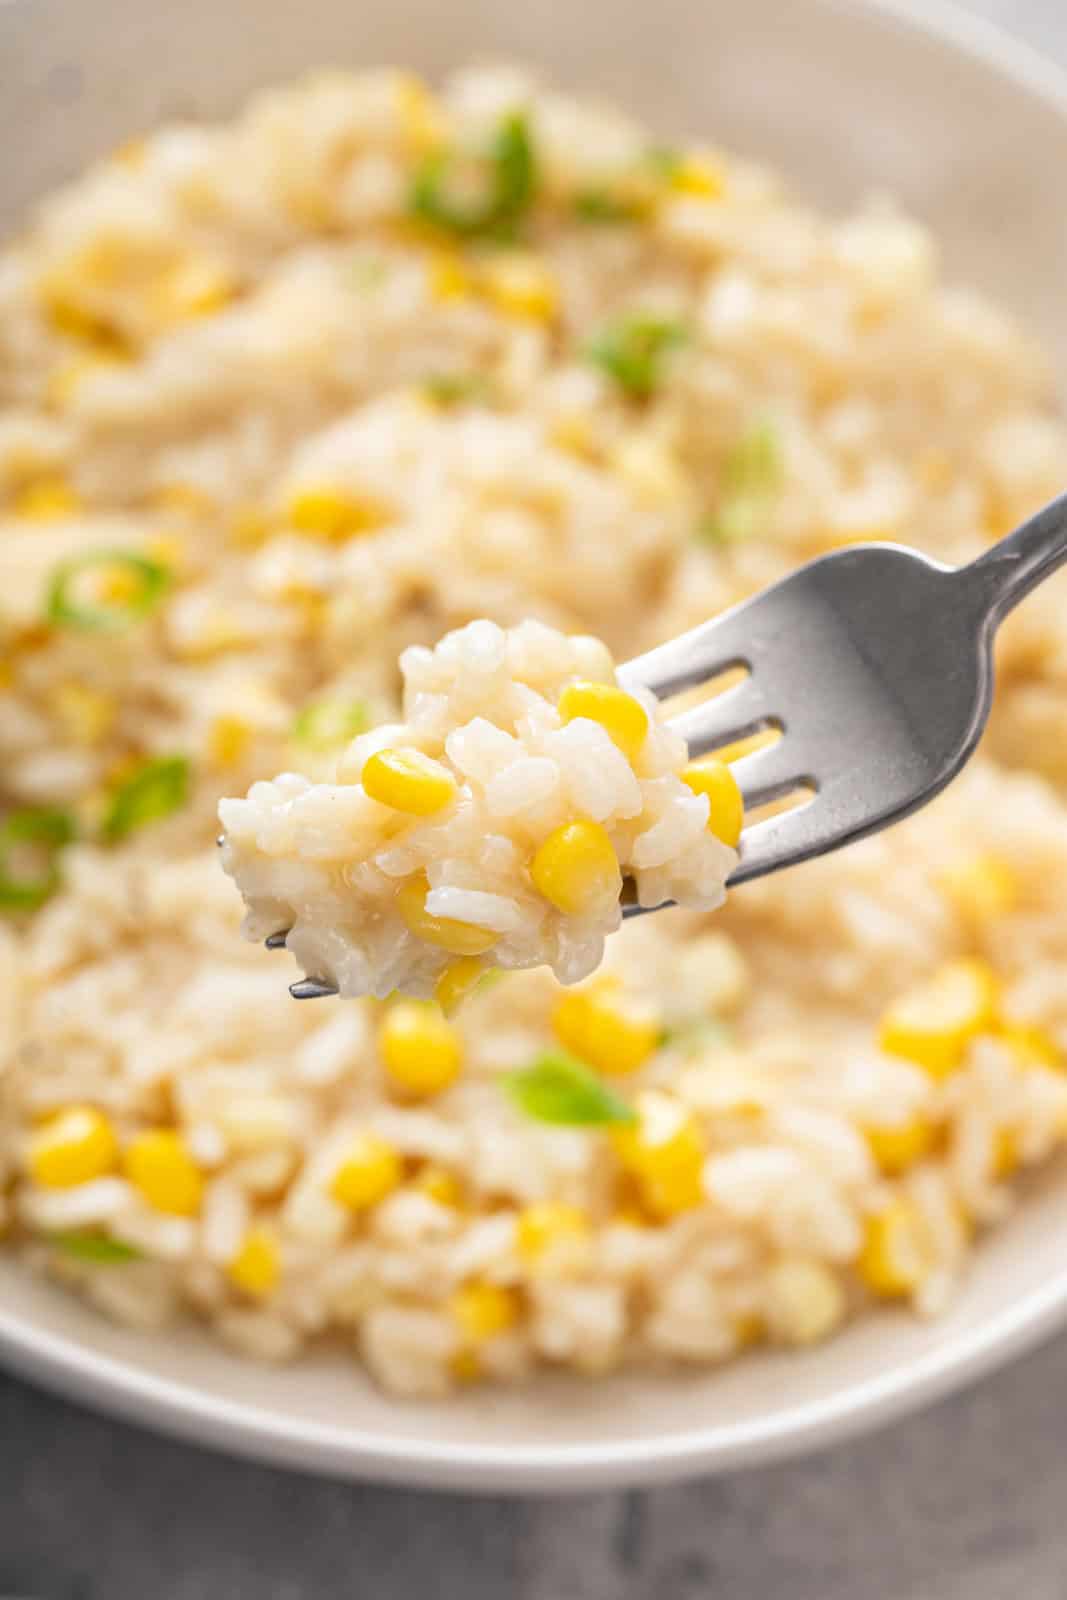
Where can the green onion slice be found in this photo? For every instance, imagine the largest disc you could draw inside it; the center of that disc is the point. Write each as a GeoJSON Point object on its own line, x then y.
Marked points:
{"type": "Point", "coordinates": [511, 182]}
{"type": "Point", "coordinates": [156, 789]}
{"type": "Point", "coordinates": [141, 585]}
{"type": "Point", "coordinates": [40, 836]}
{"type": "Point", "coordinates": [559, 1089]}
{"type": "Point", "coordinates": [634, 349]}
{"type": "Point", "coordinates": [329, 723]}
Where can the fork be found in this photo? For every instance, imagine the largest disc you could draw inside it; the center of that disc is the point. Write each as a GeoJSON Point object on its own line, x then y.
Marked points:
{"type": "Point", "coordinates": [874, 664]}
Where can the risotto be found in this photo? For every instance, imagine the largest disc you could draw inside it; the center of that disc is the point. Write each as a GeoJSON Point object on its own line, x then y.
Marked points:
{"type": "Point", "coordinates": [495, 822]}
{"type": "Point", "coordinates": [287, 399]}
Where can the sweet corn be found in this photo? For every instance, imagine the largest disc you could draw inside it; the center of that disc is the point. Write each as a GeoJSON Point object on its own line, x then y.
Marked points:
{"type": "Point", "coordinates": [607, 1028]}
{"type": "Point", "coordinates": [250, 526]}
{"type": "Point", "coordinates": [896, 1250]}
{"type": "Point", "coordinates": [726, 809]}
{"type": "Point", "coordinates": [934, 1023]}
{"type": "Point", "coordinates": [86, 714]}
{"type": "Point", "coordinates": [409, 781]}
{"type": "Point", "coordinates": [576, 868]}
{"type": "Point", "coordinates": [521, 286]}
{"type": "Point", "coordinates": [1031, 1047]}
{"type": "Point", "coordinates": [193, 287]}
{"type": "Point", "coordinates": [441, 1186]}
{"type": "Point", "coordinates": [159, 1166]}
{"type": "Point", "coordinates": [459, 938]}
{"type": "Point", "coordinates": [458, 981]}
{"type": "Point", "coordinates": [72, 1147]}
{"type": "Point", "coordinates": [256, 1267]}
{"type": "Point", "coordinates": [805, 1301]}
{"type": "Point", "coordinates": [899, 1145]}
{"type": "Point", "coordinates": [481, 1311]}
{"type": "Point", "coordinates": [543, 1227]}
{"type": "Point", "coordinates": [421, 1052]}
{"type": "Point", "coordinates": [649, 469]}
{"type": "Point", "coordinates": [371, 1170]}
{"type": "Point", "coordinates": [421, 118]}
{"type": "Point", "coordinates": [46, 500]}
{"type": "Point", "coordinates": [465, 1366]}
{"type": "Point", "coordinates": [981, 889]}
{"type": "Point", "coordinates": [623, 717]}
{"type": "Point", "coordinates": [187, 498]}
{"type": "Point", "coordinates": [449, 278]}
{"type": "Point", "coordinates": [336, 514]}
{"type": "Point", "coordinates": [574, 433]}
{"type": "Point", "coordinates": [664, 1154]}
{"type": "Point", "coordinates": [1005, 1154]}
{"type": "Point", "coordinates": [698, 175]}
{"type": "Point", "coordinates": [228, 741]}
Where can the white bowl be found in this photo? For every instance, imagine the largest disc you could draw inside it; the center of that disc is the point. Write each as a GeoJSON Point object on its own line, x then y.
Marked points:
{"type": "Point", "coordinates": [971, 132]}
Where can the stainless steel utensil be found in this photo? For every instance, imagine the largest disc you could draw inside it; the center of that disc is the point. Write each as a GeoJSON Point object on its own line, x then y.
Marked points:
{"type": "Point", "coordinates": [874, 663]}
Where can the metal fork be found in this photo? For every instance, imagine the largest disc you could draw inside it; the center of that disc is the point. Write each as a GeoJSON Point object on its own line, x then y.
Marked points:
{"type": "Point", "coordinates": [875, 665]}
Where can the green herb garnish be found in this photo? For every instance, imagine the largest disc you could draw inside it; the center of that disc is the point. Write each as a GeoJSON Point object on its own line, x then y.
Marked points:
{"type": "Point", "coordinates": [40, 835]}
{"type": "Point", "coordinates": [557, 1088]}
{"type": "Point", "coordinates": [137, 586]}
{"type": "Point", "coordinates": [96, 1249]}
{"type": "Point", "coordinates": [449, 389]}
{"type": "Point", "coordinates": [634, 350]}
{"type": "Point", "coordinates": [601, 205]}
{"type": "Point", "coordinates": [509, 185]}
{"type": "Point", "coordinates": [156, 789]}
{"type": "Point", "coordinates": [329, 723]}
{"type": "Point", "coordinates": [752, 476]}
{"type": "Point", "coordinates": [664, 160]}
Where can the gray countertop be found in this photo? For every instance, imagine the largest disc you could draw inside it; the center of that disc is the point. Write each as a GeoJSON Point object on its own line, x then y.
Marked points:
{"type": "Point", "coordinates": [966, 1502]}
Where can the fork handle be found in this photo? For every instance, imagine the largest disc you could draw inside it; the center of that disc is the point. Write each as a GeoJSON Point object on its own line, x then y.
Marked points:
{"type": "Point", "coordinates": [1009, 570]}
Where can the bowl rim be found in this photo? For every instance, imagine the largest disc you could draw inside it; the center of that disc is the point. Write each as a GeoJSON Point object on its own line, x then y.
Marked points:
{"type": "Point", "coordinates": [107, 1383]}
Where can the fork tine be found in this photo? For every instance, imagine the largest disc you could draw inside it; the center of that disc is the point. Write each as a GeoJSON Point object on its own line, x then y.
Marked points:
{"type": "Point", "coordinates": [731, 715]}
{"type": "Point", "coordinates": [768, 774]}
{"type": "Point", "coordinates": [276, 941]}
{"type": "Point", "coordinates": [781, 841]}
{"type": "Point", "coordinates": [312, 989]}
{"type": "Point", "coordinates": [694, 657]}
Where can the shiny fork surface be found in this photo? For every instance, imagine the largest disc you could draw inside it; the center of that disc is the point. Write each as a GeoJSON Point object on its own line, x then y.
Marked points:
{"type": "Point", "coordinates": [875, 664]}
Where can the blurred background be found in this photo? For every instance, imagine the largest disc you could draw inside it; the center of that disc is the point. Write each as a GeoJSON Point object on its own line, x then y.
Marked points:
{"type": "Point", "coordinates": [965, 1500]}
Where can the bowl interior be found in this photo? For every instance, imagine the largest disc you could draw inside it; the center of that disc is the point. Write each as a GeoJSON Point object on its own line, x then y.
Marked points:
{"type": "Point", "coordinates": [846, 100]}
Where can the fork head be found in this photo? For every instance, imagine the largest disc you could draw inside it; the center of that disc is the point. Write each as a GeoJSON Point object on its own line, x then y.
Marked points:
{"type": "Point", "coordinates": [873, 662]}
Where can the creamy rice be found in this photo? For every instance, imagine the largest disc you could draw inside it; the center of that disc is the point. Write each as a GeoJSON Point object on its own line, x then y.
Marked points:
{"type": "Point", "coordinates": [496, 822]}
{"type": "Point", "coordinates": [285, 429]}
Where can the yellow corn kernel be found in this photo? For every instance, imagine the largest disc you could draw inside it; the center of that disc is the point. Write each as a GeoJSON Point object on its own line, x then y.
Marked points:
{"type": "Point", "coordinates": [159, 1166]}
{"type": "Point", "coordinates": [409, 781]}
{"type": "Point", "coordinates": [465, 1366]}
{"type": "Point", "coordinates": [448, 933]}
{"type": "Point", "coordinates": [421, 118]}
{"type": "Point", "coordinates": [698, 175]}
{"type": "Point", "coordinates": [228, 741]}
{"type": "Point", "coordinates": [750, 1328]}
{"type": "Point", "coordinates": [980, 889]}
{"type": "Point", "coordinates": [899, 1145]}
{"type": "Point", "coordinates": [194, 287]}
{"type": "Point", "coordinates": [449, 278]}
{"type": "Point", "coordinates": [933, 1024]}
{"type": "Point", "coordinates": [256, 1267]}
{"type": "Point", "coordinates": [72, 1147]}
{"type": "Point", "coordinates": [187, 498]}
{"type": "Point", "coordinates": [46, 500]}
{"type": "Point", "coordinates": [726, 809]}
{"type": "Point", "coordinates": [576, 868]}
{"type": "Point", "coordinates": [481, 1311]}
{"type": "Point", "coordinates": [1005, 1154]}
{"type": "Point", "coordinates": [370, 1170]}
{"type": "Point", "coordinates": [458, 981]}
{"type": "Point", "coordinates": [250, 526]}
{"type": "Point", "coordinates": [805, 1301]}
{"type": "Point", "coordinates": [421, 1052]}
{"type": "Point", "coordinates": [86, 714]}
{"type": "Point", "coordinates": [521, 286]}
{"type": "Point", "coordinates": [896, 1249]}
{"type": "Point", "coordinates": [664, 1154]}
{"type": "Point", "coordinates": [623, 717]}
{"type": "Point", "coordinates": [574, 433]}
{"type": "Point", "coordinates": [649, 469]}
{"type": "Point", "coordinates": [613, 1032]}
{"type": "Point", "coordinates": [1031, 1047]}
{"type": "Point", "coordinates": [543, 1227]}
{"type": "Point", "coordinates": [336, 514]}
{"type": "Point", "coordinates": [440, 1185]}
